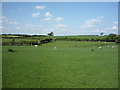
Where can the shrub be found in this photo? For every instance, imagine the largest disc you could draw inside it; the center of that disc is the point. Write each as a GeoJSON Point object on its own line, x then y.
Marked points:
{"type": "Point", "coordinates": [117, 41]}
{"type": "Point", "coordinates": [11, 50]}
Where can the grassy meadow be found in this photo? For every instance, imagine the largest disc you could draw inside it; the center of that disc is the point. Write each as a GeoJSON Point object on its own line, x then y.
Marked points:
{"type": "Point", "coordinates": [72, 64]}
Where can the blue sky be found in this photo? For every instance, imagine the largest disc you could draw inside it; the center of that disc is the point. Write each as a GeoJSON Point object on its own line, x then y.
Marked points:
{"type": "Point", "coordinates": [62, 18]}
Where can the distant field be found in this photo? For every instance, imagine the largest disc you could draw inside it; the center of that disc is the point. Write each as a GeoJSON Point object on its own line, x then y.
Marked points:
{"type": "Point", "coordinates": [8, 36]}
{"type": "Point", "coordinates": [57, 37]}
{"type": "Point", "coordinates": [82, 36]}
{"type": "Point", "coordinates": [71, 65]}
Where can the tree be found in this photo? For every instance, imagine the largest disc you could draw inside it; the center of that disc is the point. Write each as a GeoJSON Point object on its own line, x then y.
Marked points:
{"type": "Point", "coordinates": [101, 33]}
{"type": "Point", "coordinates": [50, 34]}
{"type": "Point", "coordinates": [13, 41]}
{"type": "Point", "coordinates": [112, 37]}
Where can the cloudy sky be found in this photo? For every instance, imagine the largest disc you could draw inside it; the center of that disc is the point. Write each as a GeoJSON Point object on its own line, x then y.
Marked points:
{"type": "Point", "coordinates": [62, 18]}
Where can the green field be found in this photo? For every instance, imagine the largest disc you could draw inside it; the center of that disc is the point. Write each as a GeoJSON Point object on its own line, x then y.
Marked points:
{"type": "Point", "coordinates": [71, 65]}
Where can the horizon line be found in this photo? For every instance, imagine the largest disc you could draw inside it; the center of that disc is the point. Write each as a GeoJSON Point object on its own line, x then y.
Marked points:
{"type": "Point", "coordinates": [59, 1]}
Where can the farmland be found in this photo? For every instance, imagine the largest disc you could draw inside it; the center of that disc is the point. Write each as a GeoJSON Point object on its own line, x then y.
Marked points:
{"type": "Point", "coordinates": [72, 64]}
{"type": "Point", "coordinates": [60, 45]}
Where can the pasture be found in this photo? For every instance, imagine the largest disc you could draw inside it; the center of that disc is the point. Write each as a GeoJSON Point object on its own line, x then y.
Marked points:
{"type": "Point", "coordinates": [71, 64]}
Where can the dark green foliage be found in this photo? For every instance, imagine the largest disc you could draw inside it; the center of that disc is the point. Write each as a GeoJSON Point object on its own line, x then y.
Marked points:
{"type": "Point", "coordinates": [101, 33]}
{"type": "Point", "coordinates": [13, 41]}
{"type": "Point", "coordinates": [37, 40]}
{"type": "Point", "coordinates": [26, 41]}
{"type": "Point", "coordinates": [118, 39]}
{"type": "Point", "coordinates": [112, 37]}
{"type": "Point", "coordinates": [107, 38]}
{"type": "Point", "coordinates": [51, 34]}
{"type": "Point", "coordinates": [46, 41]}
{"type": "Point", "coordinates": [11, 50]}
{"type": "Point", "coordinates": [82, 38]}
{"type": "Point", "coordinates": [20, 35]}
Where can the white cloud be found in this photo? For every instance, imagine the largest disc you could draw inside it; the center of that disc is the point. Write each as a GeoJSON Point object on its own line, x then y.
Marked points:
{"type": "Point", "coordinates": [55, 30]}
{"type": "Point", "coordinates": [2, 28]}
{"type": "Point", "coordinates": [92, 22]}
{"type": "Point", "coordinates": [18, 27]}
{"type": "Point", "coordinates": [60, 25]}
{"type": "Point", "coordinates": [4, 19]}
{"type": "Point", "coordinates": [48, 30]}
{"type": "Point", "coordinates": [114, 28]}
{"type": "Point", "coordinates": [58, 28]}
{"type": "Point", "coordinates": [28, 27]}
{"type": "Point", "coordinates": [99, 30]}
{"type": "Point", "coordinates": [47, 14]}
{"type": "Point", "coordinates": [7, 21]}
{"type": "Point", "coordinates": [116, 22]}
{"type": "Point", "coordinates": [47, 19]}
{"type": "Point", "coordinates": [109, 29]}
{"type": "Point", "coordinates": [63, 30]}
{"type": "Point", "coordinates": [40, 7]}
{"type": "Point", "coordinates": [105, 30]}
{"type": "Point", "coordinates": [59, 18]}
{"type": "Point", "coordinates": [15, 23]}
{"type": "Point", "coordinates": [35, 14]}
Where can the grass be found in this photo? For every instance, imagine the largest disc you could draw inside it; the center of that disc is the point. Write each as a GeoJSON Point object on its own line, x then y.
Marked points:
{"type": "Point", "coordinates": [82, 36]}
{"type": "Point", "coordinates": [71, 65]}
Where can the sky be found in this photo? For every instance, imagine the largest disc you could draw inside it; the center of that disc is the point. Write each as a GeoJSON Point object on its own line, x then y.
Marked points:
{"type": "Point", "coordinates": [60, 0]}
{"type": "Point", "coordinates": [62, 18]}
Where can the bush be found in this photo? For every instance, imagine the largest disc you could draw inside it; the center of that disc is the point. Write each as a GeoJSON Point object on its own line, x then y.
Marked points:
{"type": "Point", "coordinates": [112, 37]}
{"type": "Point", "coordinates": [117, 41]}
{"type": "Point", "coordinates": [11, 50]}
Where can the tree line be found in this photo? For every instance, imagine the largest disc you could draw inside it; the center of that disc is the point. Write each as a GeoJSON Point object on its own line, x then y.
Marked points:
{"type": "Point", "coordinates": [20, 42]}
{"type": "Point", "coordinates": [37, 40]}
{"type": "Point", "coordinates": [108, 38]}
